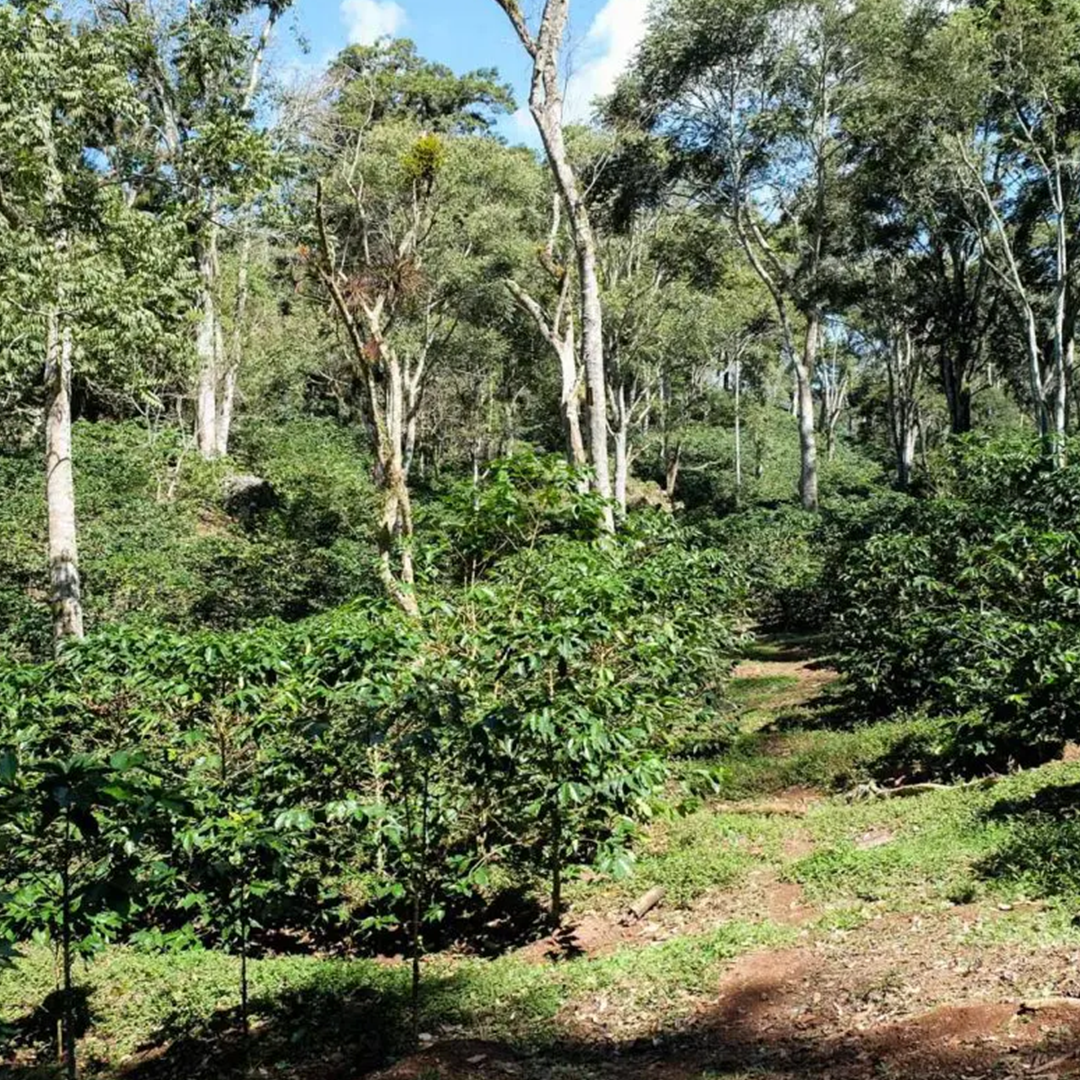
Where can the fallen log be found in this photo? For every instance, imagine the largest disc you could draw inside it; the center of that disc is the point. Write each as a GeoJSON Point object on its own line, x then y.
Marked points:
{"type": "Point", "coordinates": [1038, 1004]}
{"type": "Point", "coordinates": [642, 906]}
{"type": "Point", "coordinates": [904, 791]}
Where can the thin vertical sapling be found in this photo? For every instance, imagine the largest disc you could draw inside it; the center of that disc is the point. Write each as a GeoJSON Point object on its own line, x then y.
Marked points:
{"type": "Point", "coordinates": [70, 833]}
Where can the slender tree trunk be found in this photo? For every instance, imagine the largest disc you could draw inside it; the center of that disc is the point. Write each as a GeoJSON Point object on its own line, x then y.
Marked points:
{"type": "Point", "coordinates": [673, 465]}
{"type": "Point", "coordinates": [397, 524]}
{"type": "Point", "coordinates": [571, 402]}
{"type": "Point", "coordinates": [71, 1066]}
{"type": "Point", "coordinates": [207, 351]}
{"type": "Point", "coordinates": [546, 106]}
{"type": "Point", "coordinates": [556, 868]}
{"type": "Point", "coordinates": [223, 427]}
{"type": "Point", "coordinates": [415, 948]}
{"type": "Point", "coordinates": [229, 364]}
{"type": "Point", "coordinates": [908, 444]}
{"type": "Point", "coordinates": [595, 377]}
{"type": "Point", "coordinates": [903, 379]}
{"type": "Point", "coordinates": [833, 398]}
{"type": "Point", "coordinates": [621, 410]}
{"type": "Point", "coordinates": [804, 370]}
{"type": "Point", "coordinates": [957, 392]}
{"type": "Point", "coordinates": [380, 369]}
{"type": "Point", "coordinates": [1038, 389]}
{"type": "Point", "coordinates": [558, 331]}
{"type": "Point", "coordinates": [65, 586]}
{"type": "Point", "coordinates": [216, 375]}
{"type": "Point", "coordinates": [1061, 345]}
{"type": "Point", "coordinates": [622, 468]}
{"type": "Point", "coordinates": [738, 426]}
{"type": "Point", "coordinates": [245, 1018]}
{"type": "Point", "coordinates": [1070, 372]}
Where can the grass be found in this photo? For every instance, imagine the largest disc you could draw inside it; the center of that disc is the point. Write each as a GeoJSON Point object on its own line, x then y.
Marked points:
{"type": "Point", "coordinates": [138, 999]}
{"type": "Point", "coordinates": [758, 689]}
{"type": "Point", "coordinates": [766, 761]}
{"type": "Point", "coordinates": [948, 847]}
{"type": "Point", "coordinates": [690, 856]}
{"type": "Point", "coordinates": [789, 646]}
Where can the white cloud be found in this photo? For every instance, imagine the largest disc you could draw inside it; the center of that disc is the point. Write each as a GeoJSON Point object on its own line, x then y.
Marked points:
{"type": "Point", "coordinates": [369, 20]}
{"type": "Point", "coordinates": [606, 52]}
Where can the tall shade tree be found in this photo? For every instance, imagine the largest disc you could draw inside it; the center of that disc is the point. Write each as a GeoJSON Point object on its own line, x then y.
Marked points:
{"type": "Point", "coordinates": [1016, 85]}
{"type": "Point", "coordinates": [642, 300]}
{"type": "Point", "coordinates": [545, 48]}
{"type": "Point", "coordinates": [919, 247]}
{"type": "Point", "coordinates": [751, 95]}
{"type": "Point", "coordinates": [411, 221]}
{"type": "Point", "coordinates": [556, 324]}
{"type": "Point", "coordinates": [87, 279]}
{"type": "Point", "coordinates": [200, 67]}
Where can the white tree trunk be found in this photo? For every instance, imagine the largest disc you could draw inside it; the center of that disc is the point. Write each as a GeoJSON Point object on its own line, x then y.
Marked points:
{"type": "Point", "coordinates": [223, 425]}
{"type": "Point", "coordinates": [903, 372]}
{"type": "Point", "coordinates": [546, 106]}
{"type": "Point", "coordinates": [909, 441]}
{"type": "Point", "coordinates": [386, 400]}
{"type": "Point", "coordinates": [206, 351]}
{"type": "Point", "coordinates": [595, 377]}
{"type": "Point", "coordinates": [621, 409]}
{"type": "Point", "coordinates": [622, 469]}
{"type": "Point", "coordinates": [216, 386]}
{"type": "Point", "coordinates": [229, 361]}
{"type": "Point", "coordinates": [571, 402]}
{"type": "Point", "coordinates": [558, 331]}
{"type": "Point", "coordinates": [65, 586]}
{"type": "Point", "coordinates": [1062, 347]}
{"type": "Point", "coordinates": [738, 425]}
{"type": "Point", "coordinates": [804, 373]}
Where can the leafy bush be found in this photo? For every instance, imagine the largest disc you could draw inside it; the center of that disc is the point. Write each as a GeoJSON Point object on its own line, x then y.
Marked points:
{"type": "Point", "coordinates": [969, 603]}
{"type": "Point", "coordinates": [778, 554]}
{"type": "Point", "coordinates": [362, 773]}
{"type": "Point", "coordinates": [521, 500]}
{"type": "Point", "coordinates": [158, 545]}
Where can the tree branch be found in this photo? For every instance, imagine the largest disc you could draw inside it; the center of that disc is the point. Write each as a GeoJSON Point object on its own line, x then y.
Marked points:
{"type": "Point", "coordinates": [513, 13]}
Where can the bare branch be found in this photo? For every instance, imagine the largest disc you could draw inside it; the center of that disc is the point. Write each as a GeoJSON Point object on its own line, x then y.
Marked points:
{"type": "Point", "coordinates": [513, 13]}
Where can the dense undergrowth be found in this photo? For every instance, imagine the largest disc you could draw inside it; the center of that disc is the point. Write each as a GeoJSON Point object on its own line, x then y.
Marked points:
{"type": "Point", "coordinates": [359, 778]}
{"type": "Point", "coordinates": [964, 602]}
{"type": "Point", "coordinates": [243, 765]}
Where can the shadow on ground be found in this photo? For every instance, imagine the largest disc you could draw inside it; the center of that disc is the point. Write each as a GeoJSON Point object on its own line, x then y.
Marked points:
{"type": "Point", "coordinates": [761, 1028]}
{"type": "Point", "coordinates": [786, 648]}
{"type": "Point", "coordinates": [1041, 851]}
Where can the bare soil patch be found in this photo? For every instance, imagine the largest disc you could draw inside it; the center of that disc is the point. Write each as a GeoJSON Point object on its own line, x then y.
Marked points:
{"type": "Point", "coordinates": [456, 1060]}
{"type": "Point", "coordinates": [812, 677]}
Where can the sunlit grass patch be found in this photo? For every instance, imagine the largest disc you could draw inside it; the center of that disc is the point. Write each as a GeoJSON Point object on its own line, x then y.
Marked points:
{"type": "Point", "coordinates": [751, 689]}
{"type": "Point", "coordinates": [689, 856]}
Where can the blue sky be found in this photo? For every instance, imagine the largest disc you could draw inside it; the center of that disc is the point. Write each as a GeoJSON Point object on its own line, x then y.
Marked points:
{"type": "Point", "coordinates": [467, 34]}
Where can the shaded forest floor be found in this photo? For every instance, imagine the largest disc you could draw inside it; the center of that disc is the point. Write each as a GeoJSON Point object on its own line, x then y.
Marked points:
{"type": "Point", "coordinates": [804, 934]}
